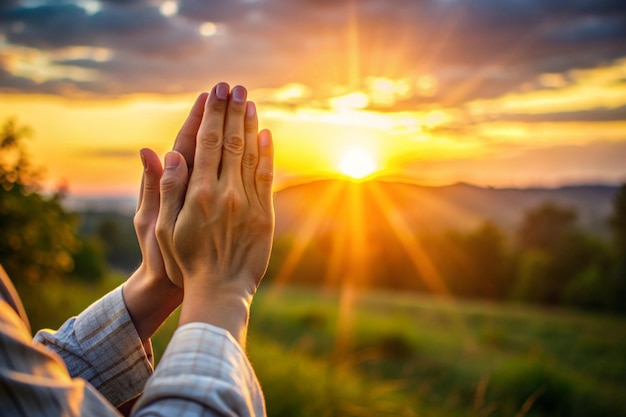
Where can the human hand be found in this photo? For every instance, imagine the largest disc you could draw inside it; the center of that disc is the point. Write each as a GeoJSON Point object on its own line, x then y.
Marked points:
{"type": "Point", "coordinates": [149, 295]}
{"type": "Point", "coordinates": [217, 224]}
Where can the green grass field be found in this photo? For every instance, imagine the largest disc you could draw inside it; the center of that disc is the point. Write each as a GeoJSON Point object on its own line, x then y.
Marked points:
{"type": "Point", "coordinates": [389, 354]}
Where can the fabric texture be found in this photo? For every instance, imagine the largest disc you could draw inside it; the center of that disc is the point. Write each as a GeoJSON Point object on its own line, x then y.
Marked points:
{"type": "Point", "coordinates": [205, 366]}
{"type": "Point", "coordinates": [204, 372]}
{"type": "Point", "coordinates": [102, 346]}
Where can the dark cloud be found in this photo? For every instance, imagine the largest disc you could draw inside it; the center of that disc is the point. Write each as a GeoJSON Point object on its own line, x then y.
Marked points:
{"type": "Point", "coordinates": [595, 115]}
{"type": "Point", "coordinates": [481, 48]}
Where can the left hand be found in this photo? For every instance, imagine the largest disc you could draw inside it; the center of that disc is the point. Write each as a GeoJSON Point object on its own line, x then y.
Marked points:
{"type": "Point", "coordinates": [149, 294]}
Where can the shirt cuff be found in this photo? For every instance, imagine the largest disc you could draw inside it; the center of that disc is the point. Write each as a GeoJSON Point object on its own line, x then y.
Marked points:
{"type": "Point", "coordinates": [111, 344]}
{"type": "Point", "coordinates": [204, 364]}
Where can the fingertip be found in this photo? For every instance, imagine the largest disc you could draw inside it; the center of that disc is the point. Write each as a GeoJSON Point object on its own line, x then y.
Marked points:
{"type": "Point", "coordinates": [172, 160]}
{"type": "Point", "coordinates": [198, 105]}
{"type": "Point", "coordinates": [239, 93]}
{"type": "Point", "coordinates": [222, 90]}
{"type": "Point", "coordinates": [265, 139]}
{"type": "Point", "coordinates": [143, 159]}
{"type": "Point", "coordinates": [250, 109]}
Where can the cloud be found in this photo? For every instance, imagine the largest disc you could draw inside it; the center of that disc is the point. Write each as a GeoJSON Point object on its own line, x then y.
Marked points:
{"type": "Point", "coordinates": [478, 49]}
{"type": "Point", "coordinates": [601, 162]}
{"type": "Point", "coordinates": [110, 153]}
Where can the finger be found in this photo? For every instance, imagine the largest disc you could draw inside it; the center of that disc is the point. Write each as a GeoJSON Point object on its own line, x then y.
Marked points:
{"type": "Point", "coordinates": [251, 150]}
{"type": "Point", "coordinates": [185, 141]}
{"type": "Point", "coordinates": [232, 151]}
{"type": "Point", "coordinates": [173, 188]}
{"type": "Point", "coordinates": [149, 193]}
{"type": "Point", "coordinates": [143, 175]}
{"type": "Point", "coordinates": [211, 136]}
{"type": "Point", "coordinates": [265, 169]}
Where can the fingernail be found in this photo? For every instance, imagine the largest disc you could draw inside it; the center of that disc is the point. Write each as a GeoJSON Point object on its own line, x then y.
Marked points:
{"type": "Point", "coordinates": [143, 159]}
{"type": "Point", "coordinates": [250, 109]}
{"type": "Point", "coordinates": [239, 94]}
{"type": "Point", "coordinates": [264, 138]}
{"type": "Point", "coordinates": [222, 91]}
{"type": "Point", "coordinates": [171, 160]}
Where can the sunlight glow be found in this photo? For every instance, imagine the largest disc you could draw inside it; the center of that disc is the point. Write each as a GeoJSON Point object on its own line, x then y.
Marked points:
{"type": "Point", "coordinates": [426, 85]}
{"type": "Point", "coordinates": [352, 101]}
{"type": "Point", "coordinates": [169, 8]}
{"type": "Point", "coordinates": [208, 29]}
{"type": "Point", "coordinates": [357, 163]}
{"type": "Point", "coordinates": [386, 91]}
{"type": "Point", "coordinates": [90, 6]}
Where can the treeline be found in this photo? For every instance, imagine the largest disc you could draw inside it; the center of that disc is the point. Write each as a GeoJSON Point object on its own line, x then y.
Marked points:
{"type": "Point", "coordinates": [550, 259]}
{"type": "Point", "coordinates": [40, 240]}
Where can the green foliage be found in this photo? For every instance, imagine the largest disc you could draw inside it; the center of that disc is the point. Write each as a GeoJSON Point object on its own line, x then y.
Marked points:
{"type": "Point", "coordinates": [560, 264]}
{"type": "Point", "coordinates": [476, 263]}
{"type": "Point", "coordinates": [403, 355]}
{"type": "Point", "coordinates": [618, 221]}
{"type": "Point", "coordinates": [116, 236]}
{"type": "Point", "coordinates": [533, 277]}
{"type": "Point", "coordinates": [38, 234]}
{"type": "Point", "coordinates": [89, 261]}
{"type": "Point", "coordinates": [547, 227]}
{"type": "Point", "coordinates": [50, 303]}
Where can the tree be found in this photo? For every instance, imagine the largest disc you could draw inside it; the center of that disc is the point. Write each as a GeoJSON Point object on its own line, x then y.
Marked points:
{"type": "Point", "coordinates": [547, 227]}
{"type": "Point", "coordinates": [558, 261]}
{"type": "Point", "coordinates": [617, 222]}
{"type": "Point", "coordinates": [37, 237]}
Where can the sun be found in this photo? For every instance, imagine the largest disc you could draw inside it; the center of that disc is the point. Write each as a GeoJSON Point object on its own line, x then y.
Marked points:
{"type": "Point", "coordinates": [357, 163]}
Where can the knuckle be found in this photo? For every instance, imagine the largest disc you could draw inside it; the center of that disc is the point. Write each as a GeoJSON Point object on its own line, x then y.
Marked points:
{"type": "Point", "coordinates": [250, 127]}
{"type": "Point", "coordinates": [140, 221]}
{"type": "Point", "coordinates": [265, 176]}
{"type": "Point", "coordinates": [168, 183]}
{"type": "Point", "coordinates": [250, 160]}
{"type": "Point", "coordinates": [232, 200]}
{"type": "Point", "coordinates": [218, 106]}
{"type": "Point", "coordinates": [210, 139]}
{"type": "Point", "coordinates": [161, 231]}
{"type": "Point", "coordinates": [234, 144]}
{"type": "Point", "coordinates": [200, 193]}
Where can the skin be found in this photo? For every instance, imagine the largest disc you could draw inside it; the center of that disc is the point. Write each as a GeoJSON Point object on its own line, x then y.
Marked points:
{"type": "Point", "coordinates": [149, 295]}
{"type": "Point", "coordinates": [216, 216]}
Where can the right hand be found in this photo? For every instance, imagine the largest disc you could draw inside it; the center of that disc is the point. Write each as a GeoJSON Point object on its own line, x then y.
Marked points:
{"type": "Point", "coordinates": [218, 226]}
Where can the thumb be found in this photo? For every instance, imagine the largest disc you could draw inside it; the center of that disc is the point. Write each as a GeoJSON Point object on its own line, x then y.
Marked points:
{"type": "Point", "coordinates": [148, 205]}
{"type": "Point", "coordinates": [173, 190]}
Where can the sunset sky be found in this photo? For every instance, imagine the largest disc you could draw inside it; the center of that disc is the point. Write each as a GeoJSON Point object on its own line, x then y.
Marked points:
{"type": "Point", "coordinates": [491, 92]}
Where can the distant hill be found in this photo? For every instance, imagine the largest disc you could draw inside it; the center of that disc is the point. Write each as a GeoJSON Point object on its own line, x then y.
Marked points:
{"type": "Point", "coordinates": [327, 204]}
{"type": "Point", "coordinates": [381, 233]}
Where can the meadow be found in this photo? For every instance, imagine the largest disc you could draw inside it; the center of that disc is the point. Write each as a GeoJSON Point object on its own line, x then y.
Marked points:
{"type": "Point", "coordinates": [342, 353]}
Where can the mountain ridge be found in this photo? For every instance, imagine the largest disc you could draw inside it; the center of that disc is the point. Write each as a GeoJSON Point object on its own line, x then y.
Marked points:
{"type": "Point", "coordinates": [455, 206]}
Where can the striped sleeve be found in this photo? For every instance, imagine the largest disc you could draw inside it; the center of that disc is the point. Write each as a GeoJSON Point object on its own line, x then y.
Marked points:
{"type": "Point", "coordinates": [204, 373]}
{"type": "Point", "coordinates": [102, 346]}
{"type": "Point", "coordinates": [35, 382]}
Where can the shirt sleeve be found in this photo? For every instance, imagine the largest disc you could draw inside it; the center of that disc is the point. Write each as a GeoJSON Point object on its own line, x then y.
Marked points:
{"type": "Point", "coordinates": [204, 372]}
{"type": "Point", "coordinates": [101, 345]}
{"type": "Point", "coordinates": [34, 381]}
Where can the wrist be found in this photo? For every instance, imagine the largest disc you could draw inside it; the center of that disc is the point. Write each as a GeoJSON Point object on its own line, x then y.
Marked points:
{"type": "Point", "coordinates": [224, 309]}
{"type": "Point", "coordinates": [150, 298]}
